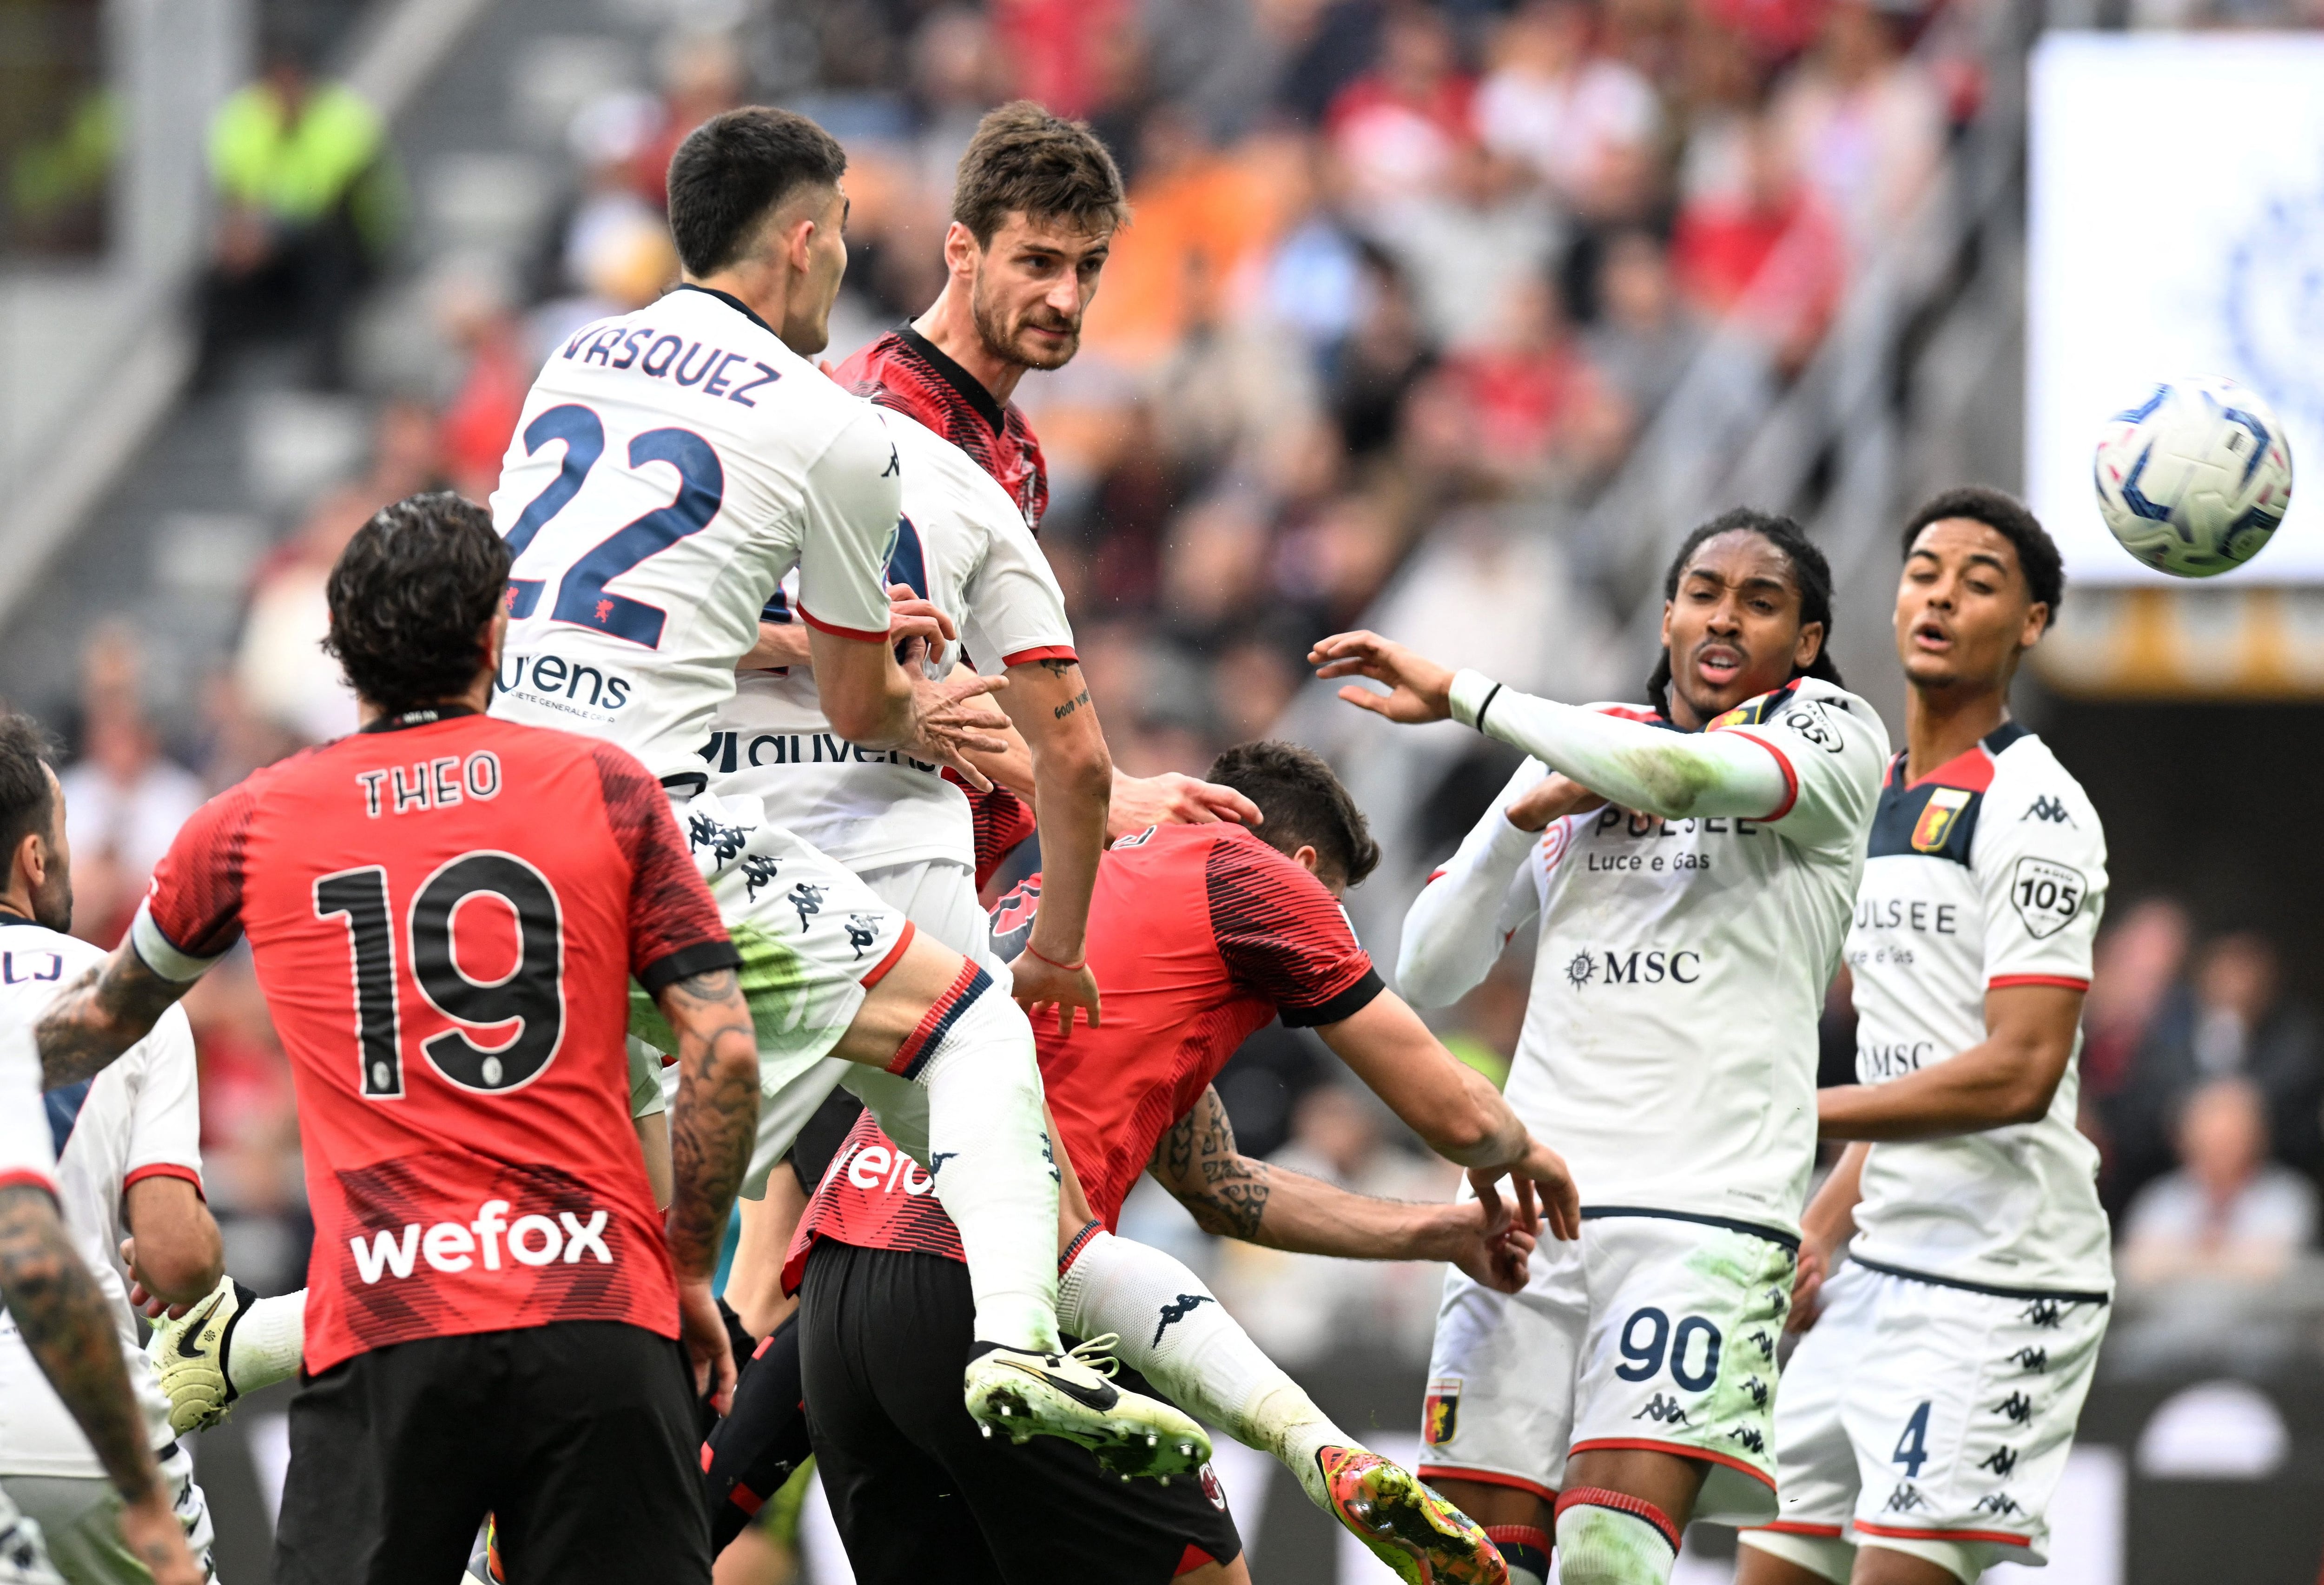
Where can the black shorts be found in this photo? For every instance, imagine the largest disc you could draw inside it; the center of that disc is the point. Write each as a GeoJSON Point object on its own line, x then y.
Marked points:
{"type": "Point", "coordinates": [578, 1437]}
{"type": "Point", "coordinates": [920, 1495]}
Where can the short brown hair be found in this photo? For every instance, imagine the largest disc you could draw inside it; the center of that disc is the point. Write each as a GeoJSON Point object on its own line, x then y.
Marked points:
{"type": "Point", "coordinates": [734, 168]}
{"type": "Point", "coordinates": [1022, 158]}
{"type": "Point", "coordinates": [1302, 805]}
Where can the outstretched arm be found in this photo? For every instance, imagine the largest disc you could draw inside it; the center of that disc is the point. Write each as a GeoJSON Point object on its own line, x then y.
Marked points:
{"type": "Point", "coordinates": [61, 1314]}
{"type": "Point", "coordinates": [1675, 775]}
{"type": "Point", "coordinates": [104, 1013]}
{"type": "Point", "coordinates": [1235, 1196]}
{"type": "Point", "coordinates": [1453, 1108]}
{"type": "Point", "coordinates": [713, 1123]}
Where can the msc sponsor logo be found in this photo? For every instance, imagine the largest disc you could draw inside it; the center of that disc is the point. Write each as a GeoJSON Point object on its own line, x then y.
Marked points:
{"type": "Point", "coordinates": [563, 685]}
{"type": "Point", "coordinates": [1891, 1059]}
{"type": "Point", "coordinates": [452, 1246]}
{"type": "Point", "coordinates": [1636, 966]}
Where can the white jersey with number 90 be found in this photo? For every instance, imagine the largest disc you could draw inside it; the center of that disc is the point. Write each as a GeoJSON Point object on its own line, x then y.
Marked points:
{"type": "Point", "coordinates": [669, 468]}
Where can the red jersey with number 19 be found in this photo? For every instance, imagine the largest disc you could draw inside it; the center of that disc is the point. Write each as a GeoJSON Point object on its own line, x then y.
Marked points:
{"type": "Point", "coordinates": [445, 917]}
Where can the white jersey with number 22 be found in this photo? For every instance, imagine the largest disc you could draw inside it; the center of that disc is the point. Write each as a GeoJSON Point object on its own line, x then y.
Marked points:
{"type": "Point", "coordinates": [669, 468]}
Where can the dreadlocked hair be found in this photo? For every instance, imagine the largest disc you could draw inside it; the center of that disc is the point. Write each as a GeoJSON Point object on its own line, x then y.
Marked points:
{"type": "Point", "coordinates": [1811, 573]}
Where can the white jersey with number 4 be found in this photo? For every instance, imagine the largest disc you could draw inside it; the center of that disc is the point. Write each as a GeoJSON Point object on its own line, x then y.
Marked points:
{"type": "Point", "coordinates": [1987, 873]}
{"type": "Point", "coordinates": [1669, 1047]}
{"type": "Point", "coordinates": [138, 1119]}
{"type": "Point", "coordinates": [963, 546]}
{"type": "Point", "coordinates": [670, 468]}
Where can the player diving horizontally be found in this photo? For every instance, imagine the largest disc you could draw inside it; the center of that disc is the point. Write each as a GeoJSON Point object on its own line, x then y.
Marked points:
{"type": "Point", "coordinates": [1693, 868]}
{"type": "Point", "coordinates": [1928, 1413]}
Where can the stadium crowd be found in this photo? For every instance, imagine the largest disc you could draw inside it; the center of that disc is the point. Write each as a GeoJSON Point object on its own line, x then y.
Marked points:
{"type": "Point", "coordinates": [1389, 263]}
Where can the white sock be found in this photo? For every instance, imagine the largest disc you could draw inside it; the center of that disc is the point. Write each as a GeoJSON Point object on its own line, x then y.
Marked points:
{"type": "Point", "coordinates": [268, 1342]}
{"type": "Point", "coordinates": [1175, 1332]}
{"type": "Point", "coordinates": [989, 1154]}
{"type": "Point", "coordinates": [1609, 1546]}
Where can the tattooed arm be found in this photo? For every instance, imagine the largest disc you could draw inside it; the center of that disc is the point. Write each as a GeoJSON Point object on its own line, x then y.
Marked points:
{"type": "Point", "coordinates": [102, 1014]}
{"type": "Point", "coordinates": [61, 1314]}
{"type": "Point", "coordinates": [1231, 1195]}
{"type": "Point", "coordinates": [1073, 782]}
{"type": "Point", "coordinates": [712, 1125]}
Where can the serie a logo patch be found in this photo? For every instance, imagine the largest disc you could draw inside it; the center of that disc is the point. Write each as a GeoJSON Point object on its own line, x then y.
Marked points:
{"type": "Point", "coordinates": [1936, 823]}
{"type": "Point", "coordinates": [1440, 1412]}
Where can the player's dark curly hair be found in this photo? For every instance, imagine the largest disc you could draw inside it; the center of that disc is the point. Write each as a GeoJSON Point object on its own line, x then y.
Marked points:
{"type": "Point", "coordinates": [2006, 515]}
{"type": "Point", "coordinates": [734, 168]}
{"type": "Point", "coordinates": [1304, 804]}
{"type": "Point", "coordinates": [27, 802]}
{"type": "Point", "coordinates": [411, 597]}
{"type": "Point", "coordinates": [1811, 574]}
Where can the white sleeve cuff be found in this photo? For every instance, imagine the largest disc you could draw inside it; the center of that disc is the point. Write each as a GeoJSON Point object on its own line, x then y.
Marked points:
{"type": "Point", "coordinates": [1471, 692]}
{"type": "Point", "coordinates": [160, 955]}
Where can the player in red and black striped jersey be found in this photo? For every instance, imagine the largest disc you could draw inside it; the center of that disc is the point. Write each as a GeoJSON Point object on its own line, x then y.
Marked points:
{"type": "Point", "coordinates": [1035, 207]}
{"type": "Point", "coordinates": [445, 911]}
{"type": "Point", "coordinates": [1200, 935]}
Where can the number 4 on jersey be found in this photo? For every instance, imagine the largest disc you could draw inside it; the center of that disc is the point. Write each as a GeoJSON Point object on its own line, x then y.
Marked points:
{"type": "Point", "coordinates": [582, 597]}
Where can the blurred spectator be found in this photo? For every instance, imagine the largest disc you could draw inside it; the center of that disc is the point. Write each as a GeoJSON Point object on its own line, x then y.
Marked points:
{"type": "Point", "coordinates": [2140, 955]}
{"type": "Point", "coordinates": [2227, 1212]}
{"type": "Point", "coordinates": [701, 75]}
{"type": "Point", "coordinates": [477, 423]}
{"type": "Point", "coordinates": [1400, 125]}
{"type": "Point", "coordinates": [1647, 336]}
{"type": "Point", "coordinates": [2231, 1021]}
{"type": "Point", "coordinates": [1586, 123]}
{"type": "Point", "coordinates": [1469, 241]}
{"type": "Point", "coordinates": [1524, 410]}
{"type": "Point", "coordinates": [1864, 127]}
{"type": "Point", "coordinates": [1376, 366]}
{"type": "Point", "coordinates": [123, 800]}
{"type": "Point", "coordinates": [309, 201]}
{"type": "Point", "coordinates": [1765, 251]}
{"type": "Point", "coordinates": [250, 1129]}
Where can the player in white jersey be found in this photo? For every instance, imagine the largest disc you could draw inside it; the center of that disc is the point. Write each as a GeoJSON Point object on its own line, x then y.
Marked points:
{"type": "Point", "coordinates": [1928, 1412]}
{"type": "Point", "coordinates": [1692, 868]}
{"type": "Point", "coordinates": [670, 468]}
{"type": "Point", "coordinates": [76, 1438]}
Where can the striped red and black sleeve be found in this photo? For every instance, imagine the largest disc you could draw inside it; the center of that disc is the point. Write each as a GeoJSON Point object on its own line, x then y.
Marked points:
{"type": "Point", "coordinates": [1284, 937]}
{"type": "Point", "coordinates": [675, 930]}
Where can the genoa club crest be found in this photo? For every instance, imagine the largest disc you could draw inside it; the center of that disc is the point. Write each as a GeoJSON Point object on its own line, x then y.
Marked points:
{"type": "Point", "coordinates": [1936, 823]}
{"type": "Point", "coordinates": [1440, 1413]}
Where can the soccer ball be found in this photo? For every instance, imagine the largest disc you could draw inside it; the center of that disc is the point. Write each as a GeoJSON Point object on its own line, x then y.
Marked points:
{"type": "Point", "coordinates": [2194, 479]}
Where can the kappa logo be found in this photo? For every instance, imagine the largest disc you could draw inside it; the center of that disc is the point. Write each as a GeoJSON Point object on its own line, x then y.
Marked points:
{"type": "Point", "coordinates": [1999, 1502]}
{"type": "Point", "coordinates": [2002, 1461]}
{"type": "Point", "coordinates": [757, 870]}
{"type": "Point", "coordinates": [1663, 1410]}
{"type": "Point", "coordinates": [2044, 1313]}
{"type": "Point", "coordinates": [807, 898]}
{"type": "Point", "coordinates": [2050, 810]}
{"type": "Point", "coordinates": [721, 841]}
{"type": "Point", "coordinates": [862, 931]}
{"type": "Point", "coordinates": [1748, 1438]}
{"type": "Point", "coordinates": [2017, 1408]}
{"type": "Point", "coordinates": [1178, 1310]}
{"type": "Point", "coordinates": [1440, 1412]}
{"type": "Point", "coordinates": [1906, 1500]}
{"type": "Point", "coordinates": [2032, 1360]}
{"type": "Point", "coordinates": [1758, 1338]}
{"type": "Point", "coordinates": [1757, 1390]}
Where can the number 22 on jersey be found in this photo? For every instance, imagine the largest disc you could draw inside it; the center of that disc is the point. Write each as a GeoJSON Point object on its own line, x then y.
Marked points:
{"type": "Point", "coordinates": [582, 597]}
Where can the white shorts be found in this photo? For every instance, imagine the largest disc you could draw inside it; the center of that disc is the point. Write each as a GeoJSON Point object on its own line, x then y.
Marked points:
{"type": "Point", "coordinates": [79, 1521]}
{"type": "Point", "coordinates": [1932, 1418]}
{"type": "Point", "coordinates": [1654, 1330]}
{"type": "Point", "coordinates": [813, 938]}
{"type": "Point", "coordinates": [939, 897]}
